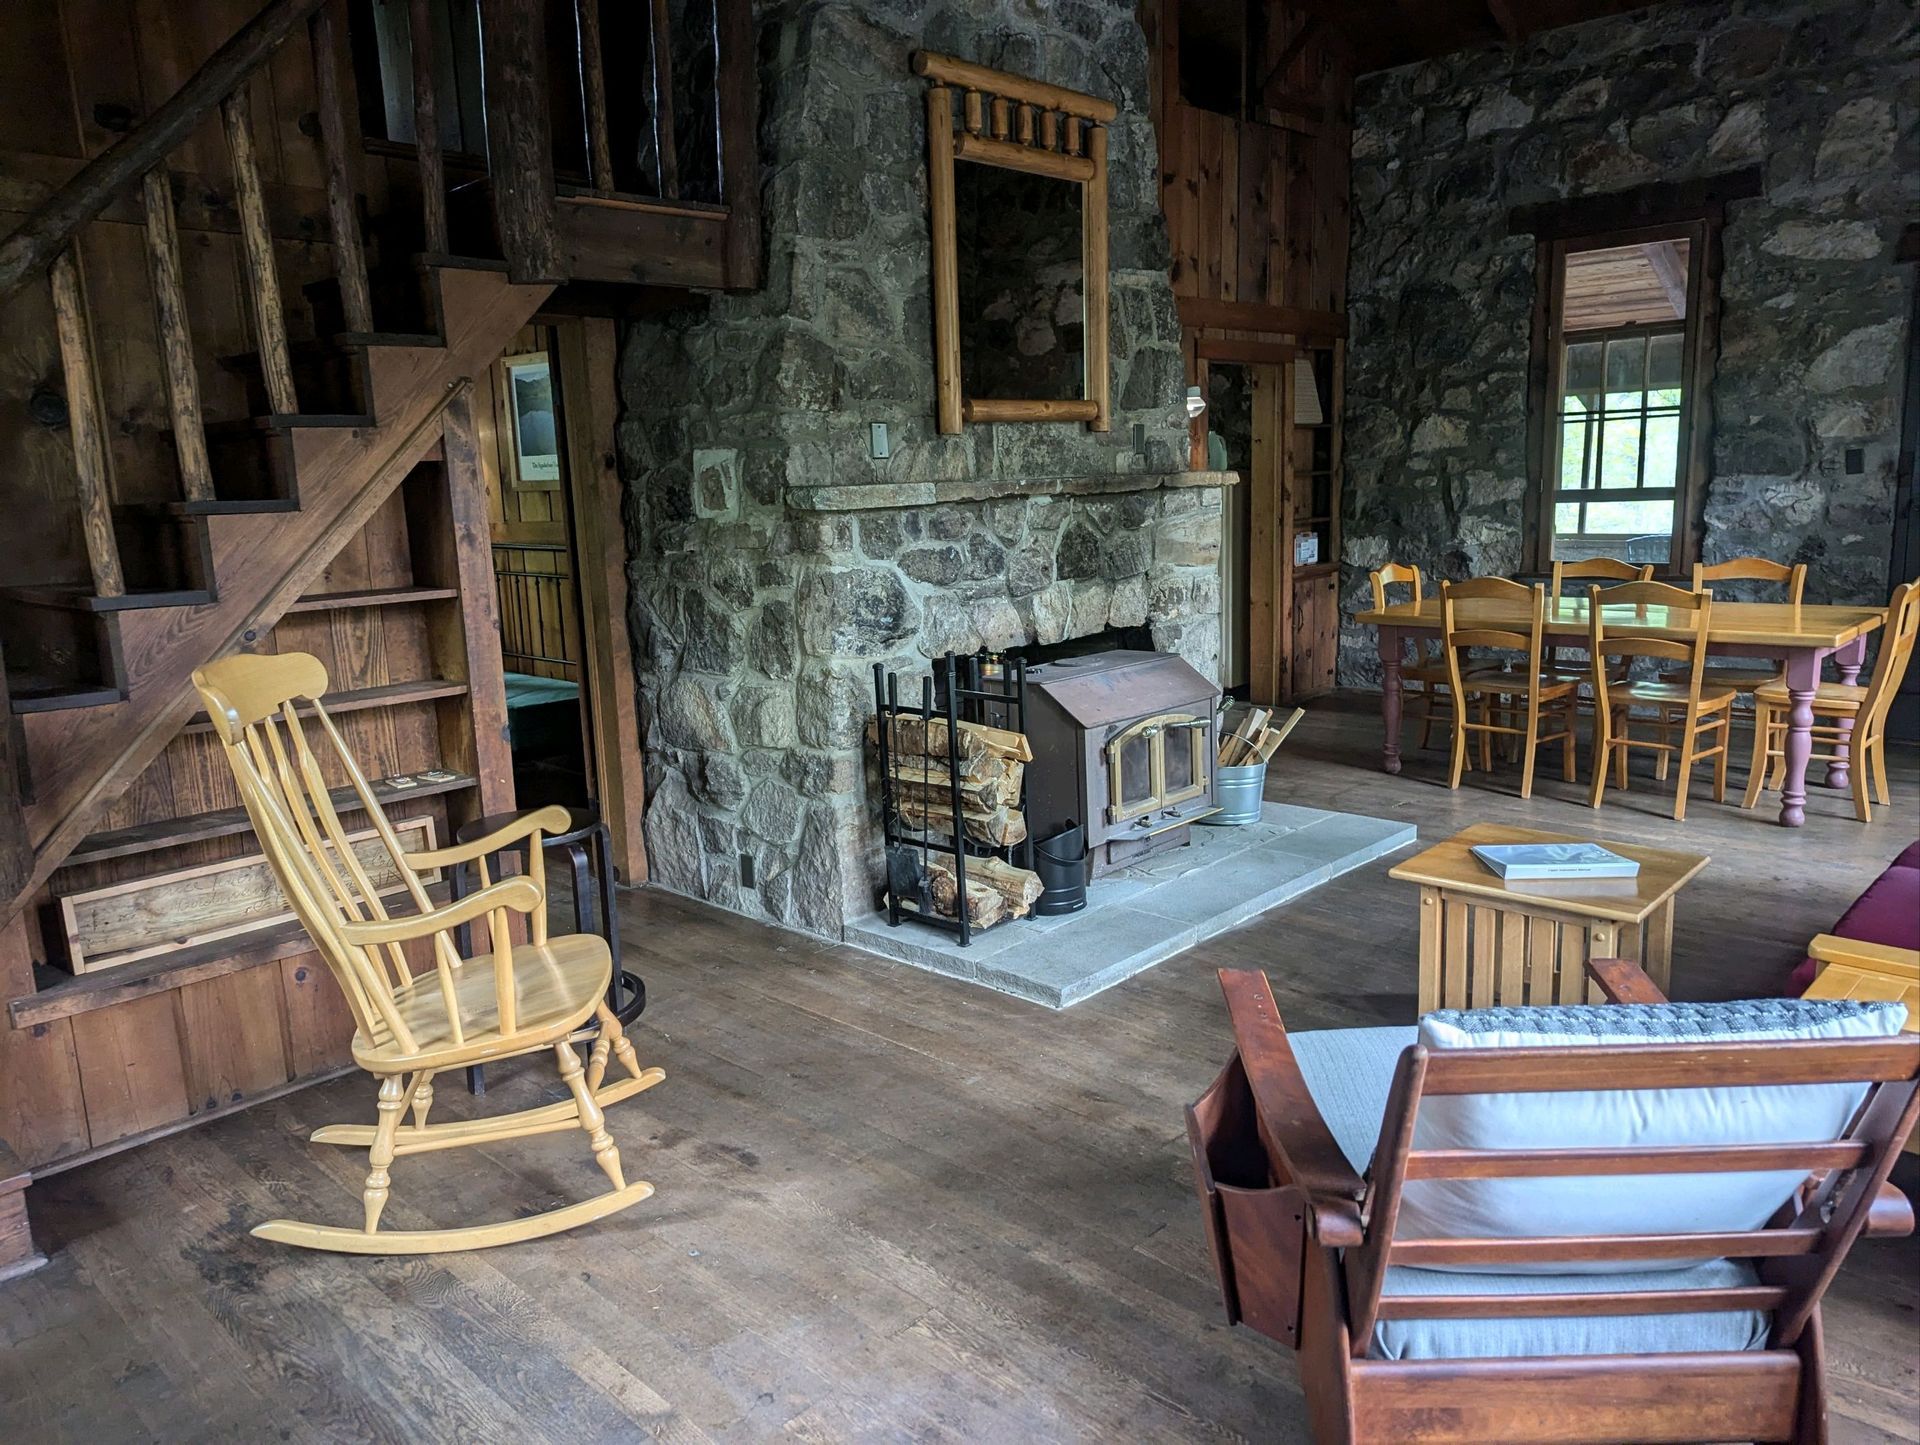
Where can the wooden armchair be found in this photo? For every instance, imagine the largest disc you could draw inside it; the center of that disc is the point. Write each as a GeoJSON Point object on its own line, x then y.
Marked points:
{"type": "Point", "coordinates": [1311, 1251]}
{"type": "Point", "coordinates": [411, 1025]}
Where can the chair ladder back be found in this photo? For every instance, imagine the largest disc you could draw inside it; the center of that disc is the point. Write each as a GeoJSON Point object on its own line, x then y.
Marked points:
{"type": "Point", "coordinates": [1896, 655]}
{"type": "Point", "coordinates": [1607, 569]}
{"type": "Point", "coordinates": [1640, 596]}
{"type": "Point", "coordinates": [1754, 569]}
{"type": "Point", "coordinates": [1456, 638]}
{"type": "Point", "coordinates": [1799, 1251]}
{"type": "Point", "coordinates": [1395, 574]}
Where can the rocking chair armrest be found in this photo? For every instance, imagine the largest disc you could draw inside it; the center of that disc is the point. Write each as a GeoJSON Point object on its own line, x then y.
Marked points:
{"type": "Point", "coordinates": [550, 819]}
{"type": "Point", "coordinates": [1300, 1144]}
{"type": "Point", "coordinates": [521, 894]}
{"type": "Point", "coordinates": [1623, 981]}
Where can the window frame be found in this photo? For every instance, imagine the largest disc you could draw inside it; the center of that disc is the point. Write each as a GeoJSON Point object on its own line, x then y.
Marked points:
{"type": "Point", "coordinates": [1699, 348]}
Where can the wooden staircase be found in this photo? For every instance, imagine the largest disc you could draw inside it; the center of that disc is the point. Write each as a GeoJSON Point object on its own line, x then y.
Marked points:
{"type": "Point", "coordinates": [99, 674]}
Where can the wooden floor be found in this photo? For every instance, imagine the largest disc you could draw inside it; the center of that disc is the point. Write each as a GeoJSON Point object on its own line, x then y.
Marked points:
{"type": "Point", "coordinates": [891, 1206]}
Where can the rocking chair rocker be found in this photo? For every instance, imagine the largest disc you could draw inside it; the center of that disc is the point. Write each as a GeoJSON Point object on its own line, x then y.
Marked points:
{"type": "Point", "coordinates": [537, 995]}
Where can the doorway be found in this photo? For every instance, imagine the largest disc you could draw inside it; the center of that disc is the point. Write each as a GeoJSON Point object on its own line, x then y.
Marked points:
{"type": "Point", "coordinates": [520, 427]}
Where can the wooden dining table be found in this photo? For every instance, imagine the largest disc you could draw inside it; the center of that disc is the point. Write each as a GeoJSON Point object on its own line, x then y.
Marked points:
{"type": "Point", "coordinates": [1800, 638]}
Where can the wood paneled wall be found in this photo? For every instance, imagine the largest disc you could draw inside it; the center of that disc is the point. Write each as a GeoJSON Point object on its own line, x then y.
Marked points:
{"type": "Point", "coordinates": [1256, 205]}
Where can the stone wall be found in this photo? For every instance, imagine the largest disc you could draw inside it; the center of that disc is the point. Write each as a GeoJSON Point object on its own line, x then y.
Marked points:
{"type": "Point", "coordinates": [1820, 95]}
{"type": "Point", "coordinates": [773, 560]}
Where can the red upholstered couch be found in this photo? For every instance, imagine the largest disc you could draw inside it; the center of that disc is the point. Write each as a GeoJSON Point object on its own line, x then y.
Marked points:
{"type": "Point", "coordinates": [1888, 912]}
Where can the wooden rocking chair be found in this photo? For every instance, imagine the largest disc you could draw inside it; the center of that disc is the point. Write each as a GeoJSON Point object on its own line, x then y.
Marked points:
{"type": "Point", "coordinates": [1311, 1172]}
{"type": "Point", "coordinates": [518, 999]}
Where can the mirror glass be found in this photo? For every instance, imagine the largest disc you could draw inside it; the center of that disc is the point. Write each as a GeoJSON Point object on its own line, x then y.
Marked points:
{"type": "Point", "coordinates": [1022, 287]}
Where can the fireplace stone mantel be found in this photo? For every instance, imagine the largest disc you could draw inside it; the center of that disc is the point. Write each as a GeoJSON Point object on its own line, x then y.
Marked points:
{"type": "Point", "coordinates": [883, 496]}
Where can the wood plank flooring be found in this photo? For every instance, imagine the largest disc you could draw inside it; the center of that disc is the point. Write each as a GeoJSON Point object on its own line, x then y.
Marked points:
{"type": "Point", "coordinates": [891, 1206]}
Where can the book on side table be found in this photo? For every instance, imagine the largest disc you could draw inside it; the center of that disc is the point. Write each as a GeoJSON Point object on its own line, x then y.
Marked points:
{"type": "Point", "coordinates": [1518, 862]}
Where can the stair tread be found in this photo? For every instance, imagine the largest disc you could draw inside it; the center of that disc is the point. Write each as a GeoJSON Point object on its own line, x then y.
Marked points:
{"type": "Point", "coordinates": [227, 822]}
{"type": "Point", "coordinates": [218, 507]}
{"type": "Point", "coordinates": [337, 347]}
{"type": "Point", "coordinates": [286, 421]}
{"type": "Point", "coordinates": [78, 598]}
{"type": "Point", "coordinates": [461, 263]}
{"type": "Point", "coordinates": [31, 692]}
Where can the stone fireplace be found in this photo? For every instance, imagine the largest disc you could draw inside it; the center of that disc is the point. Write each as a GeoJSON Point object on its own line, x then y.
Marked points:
{"type": "Point", "coordinates": [774, 558]}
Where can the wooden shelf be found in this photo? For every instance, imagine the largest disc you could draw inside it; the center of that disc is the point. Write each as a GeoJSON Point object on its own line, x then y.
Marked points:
{"type": "Point", "coordinates": [60, 994]}
{"type": "Point", "coordinates": [1316, 569]}
{"type": "Point", "coordinates": [226, 822]}
{"type": "Point", "coordinates": [373, 597]}
{"type": "Point", "coordinates": [425, 690]}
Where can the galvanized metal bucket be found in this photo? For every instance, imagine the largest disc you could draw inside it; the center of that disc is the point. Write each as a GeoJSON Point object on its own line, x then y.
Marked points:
{"type": "Point", "coordinates": [1236, 792]}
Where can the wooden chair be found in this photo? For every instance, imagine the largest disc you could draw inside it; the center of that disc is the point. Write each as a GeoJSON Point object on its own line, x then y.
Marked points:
{"type": "Point", "coordinates": [1693, 709]}
{"type": "Point", "coordinates": [1542, 697]}
{"type": "Point", "coordinates": [1586, 569]}
{"type": "Point", "coordinates": [1853, 716]}
{"type": "Point", "coordinates": [1306, 1235]}
{"type": "Point", "coordinates": [1426, 668]}
{"type": "Point", "coordinates": [515, 999]}
{"type": "Point", "coordinates": [1745, 679]}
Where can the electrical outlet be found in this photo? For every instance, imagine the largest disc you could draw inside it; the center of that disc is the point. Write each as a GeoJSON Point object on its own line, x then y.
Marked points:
{"type": "Point", "coordinates": [1140, 436]}
{"type": "Point", "coordinates": [879, 445]}
{"type": "Point", "coordinates": [1856, 461]}
{"type": "Point", "coordinates": [746, 870]}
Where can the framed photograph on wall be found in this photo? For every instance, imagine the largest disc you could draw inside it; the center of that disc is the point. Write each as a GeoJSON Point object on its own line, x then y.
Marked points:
{"type": "Point", "coordinates": [532, 455]}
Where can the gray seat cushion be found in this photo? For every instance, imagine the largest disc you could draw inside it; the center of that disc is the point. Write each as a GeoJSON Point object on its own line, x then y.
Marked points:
{"type": "Point", "coordinates": [1350, 1073]}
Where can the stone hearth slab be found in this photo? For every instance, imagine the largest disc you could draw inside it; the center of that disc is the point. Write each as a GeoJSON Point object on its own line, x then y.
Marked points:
{"type": "Point", "coordinates": [1146, 914]}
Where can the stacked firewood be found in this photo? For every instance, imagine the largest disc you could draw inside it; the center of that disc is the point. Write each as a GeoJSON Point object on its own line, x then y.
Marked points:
{"type": "Point", "coordinates": [992, 764]}
{"type": "Point", "coordinates": [1254, 737]}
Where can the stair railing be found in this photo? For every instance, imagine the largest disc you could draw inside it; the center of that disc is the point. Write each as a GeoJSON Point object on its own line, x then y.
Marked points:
{"type": "Point", "coordinates": [46, 243]}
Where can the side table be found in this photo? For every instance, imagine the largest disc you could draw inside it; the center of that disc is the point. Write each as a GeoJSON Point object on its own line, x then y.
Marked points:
{"type": "Point", "coordinates": [1484, 941]}
{"type": "Point", "coordinates": [588, 846]}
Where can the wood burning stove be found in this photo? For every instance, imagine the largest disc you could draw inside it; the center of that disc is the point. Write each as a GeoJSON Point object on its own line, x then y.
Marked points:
{"type": "Point", "coordinates": [1124, 742]}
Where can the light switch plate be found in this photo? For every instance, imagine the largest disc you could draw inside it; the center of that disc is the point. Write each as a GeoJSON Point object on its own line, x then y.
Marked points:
{"type": "Point", "coordinates": [879, 447]}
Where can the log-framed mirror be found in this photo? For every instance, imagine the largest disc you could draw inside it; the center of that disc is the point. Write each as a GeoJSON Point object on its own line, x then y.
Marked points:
{"type": "Point", "coordinates": [1038, 131]}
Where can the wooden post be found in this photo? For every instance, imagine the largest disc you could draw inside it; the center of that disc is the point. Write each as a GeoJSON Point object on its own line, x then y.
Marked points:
{"type": "Point", "coordinates": [520, 137]}
{"type": "Point", "coordinates": [739, 77]}
{"type": "Point", "coordinates": [263, 278]}
{"type": "Point", "coordinates": [666, 154]}
{"type": "Point", "coordinates": [1093, 227]}
{"type": "Point", "coordinates": [176, 341]}
{"type": "Point", "coordinates": [593, 85]}
{"type": "Point", "coordinates": [998, 114]}
{"type": "Point", "coordinates": [87, 427]}
{"type": "Point", "coordinates": [946, 259]}
{"type": "Point", "coordinates": [426, 129]}
{"type": "Point", "coordinates": [974, 107]}
{"type": "Point", "coordinates": [349, 258]}
{"type": "Point", "coordinates": [17, 1254]}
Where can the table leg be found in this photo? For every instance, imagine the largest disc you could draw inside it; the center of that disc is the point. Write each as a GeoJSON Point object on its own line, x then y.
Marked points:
{"type": "Point", "coordinates": [1390, 698]}
{"type": "Point", "coordinates": [1803, 680]}
{"type": "Point", "coordinates": [1850, 660]}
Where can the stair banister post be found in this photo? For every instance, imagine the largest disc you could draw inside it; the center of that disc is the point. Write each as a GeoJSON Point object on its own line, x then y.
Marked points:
{"type": "Point", "coordinates": [87, 426]}
{"type": "Point", "coordinates": [513, 44]}
{"type": "Point", "coordinates": [176, 338]}
{"type": "Point", "coordinates": [256, 242]}
{"type": "Point", "coordinates": [343, 215]}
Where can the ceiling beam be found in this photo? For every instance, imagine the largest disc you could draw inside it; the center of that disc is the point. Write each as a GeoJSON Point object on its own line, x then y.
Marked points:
{"type": "Point", "coordinates": [1670, 271]}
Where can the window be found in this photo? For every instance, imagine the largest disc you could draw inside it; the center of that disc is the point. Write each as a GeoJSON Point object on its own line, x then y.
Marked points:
{"type": "Point", "coordinates": [1615, 464]}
